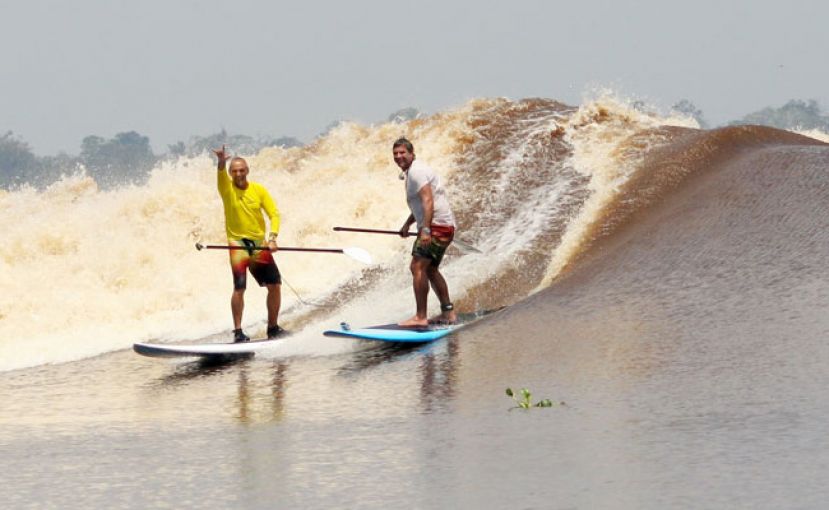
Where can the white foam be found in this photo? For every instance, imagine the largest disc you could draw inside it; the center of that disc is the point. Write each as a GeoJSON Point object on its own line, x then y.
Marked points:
{"type": "Point", "coordinates": [86, 271]}
{"type": "Point", "coordinates": [597, 132]}
{"type": "Point", "coordinates": [817, 134]}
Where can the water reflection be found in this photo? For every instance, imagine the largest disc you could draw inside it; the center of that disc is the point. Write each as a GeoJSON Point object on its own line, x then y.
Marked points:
{"type": "Point", "coordinates": [255, 391]}
{"type": "Point", "coordinates": [200, 369]}
{"type": "Point", "coordinates": [245, 390]}
{"type": "Point", "coordinates": [438, 374]}
{"type": "Point", "coordinates": [249, 410]}
{"type": "Point", "coordinates": [436, 368]}
{"type": "Point", "coordinates": [367, 359]}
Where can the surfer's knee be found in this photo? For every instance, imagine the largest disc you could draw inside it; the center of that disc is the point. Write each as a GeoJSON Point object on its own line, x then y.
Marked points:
{"type": "Point", "coordinates": [418, 265]}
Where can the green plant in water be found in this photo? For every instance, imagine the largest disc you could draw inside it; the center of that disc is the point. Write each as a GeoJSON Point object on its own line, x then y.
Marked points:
{"type": "Point", "coordinates": [525, 402]}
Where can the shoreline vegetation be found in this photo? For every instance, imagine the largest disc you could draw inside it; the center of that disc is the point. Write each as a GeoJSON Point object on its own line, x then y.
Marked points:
{"type": "Point", "coordinates": [127, 158]}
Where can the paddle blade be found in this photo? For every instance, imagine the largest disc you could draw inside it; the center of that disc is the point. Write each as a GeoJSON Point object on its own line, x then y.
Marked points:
{"type": "Point", "coordinates": [466, 247]}
{"type": "Point", "coordinates": [358, 254]}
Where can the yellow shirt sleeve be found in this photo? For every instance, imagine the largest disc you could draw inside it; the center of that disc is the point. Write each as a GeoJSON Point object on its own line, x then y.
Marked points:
{"type": "Point", "coordinates": [223, 183]}
{"type": "Point", "coordinates": [269, 206]}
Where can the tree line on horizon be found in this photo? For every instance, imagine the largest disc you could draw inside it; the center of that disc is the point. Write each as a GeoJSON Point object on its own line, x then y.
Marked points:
{"type": "Point", "coordinates": [127, 158]}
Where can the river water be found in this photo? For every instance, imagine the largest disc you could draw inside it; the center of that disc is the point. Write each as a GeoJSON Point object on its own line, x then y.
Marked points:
{"type": "Point", "coordinates": [682, 340]}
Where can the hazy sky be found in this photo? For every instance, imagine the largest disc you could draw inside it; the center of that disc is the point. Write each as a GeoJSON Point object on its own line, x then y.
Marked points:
{"type": "Point", "coordinates": [175, 68]}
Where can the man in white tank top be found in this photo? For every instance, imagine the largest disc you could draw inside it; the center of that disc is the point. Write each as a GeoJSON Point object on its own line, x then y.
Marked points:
{"type": "Point", "coordinates": [435, 230]}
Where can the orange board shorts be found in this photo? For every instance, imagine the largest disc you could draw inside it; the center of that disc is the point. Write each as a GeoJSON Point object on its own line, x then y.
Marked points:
{"type": "Point", "coordinates": [260, 263]}
{"type": "Point", "coordinates": [442, 236]}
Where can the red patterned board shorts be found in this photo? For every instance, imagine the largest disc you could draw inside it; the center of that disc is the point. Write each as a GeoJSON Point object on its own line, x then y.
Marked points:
{"type": "Point", "coordinates": [442, 236]}
{"type": "Point", "coordinates": [260, 263]}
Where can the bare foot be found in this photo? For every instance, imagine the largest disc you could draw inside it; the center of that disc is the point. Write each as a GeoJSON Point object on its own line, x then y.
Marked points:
{"type": "Point", "coordinates": [445, 318]}
{"type": "Point", "coordinates": [449, 317]}
{"type": "Point", "coordinates": [413, 322]}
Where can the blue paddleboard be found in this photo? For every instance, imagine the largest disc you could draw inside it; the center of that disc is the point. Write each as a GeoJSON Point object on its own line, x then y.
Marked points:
{"type": "Point", "coordinates": [394, 333]}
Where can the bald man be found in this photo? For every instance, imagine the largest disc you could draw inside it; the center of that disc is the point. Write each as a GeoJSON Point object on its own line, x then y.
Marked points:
{"type": "Point", "coordinates": [244, 203]}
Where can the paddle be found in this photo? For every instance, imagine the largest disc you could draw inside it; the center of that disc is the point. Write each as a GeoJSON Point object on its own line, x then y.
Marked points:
{"type": "Point", "coordinates": [460, 244]}
{"type": "Point", "coordinates": [357, 254]}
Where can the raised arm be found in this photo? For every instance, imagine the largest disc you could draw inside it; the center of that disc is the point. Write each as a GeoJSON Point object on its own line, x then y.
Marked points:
{"type": "Point", "coordinates": [222, 180]}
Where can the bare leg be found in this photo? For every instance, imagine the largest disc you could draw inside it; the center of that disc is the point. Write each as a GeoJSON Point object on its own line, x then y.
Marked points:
{"type": "Point", "coordinates": [237, 306]}
{"type": "Point", "coordinates": [274, 301]}
{"type": "Point", "coordinates": [442, 290]}
{"type": "Point", "coordinates": [420, 284]}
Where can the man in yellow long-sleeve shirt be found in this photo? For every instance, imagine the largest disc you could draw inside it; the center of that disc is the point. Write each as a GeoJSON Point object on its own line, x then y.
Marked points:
{"type": "Point", "coordinates": [244, 202]}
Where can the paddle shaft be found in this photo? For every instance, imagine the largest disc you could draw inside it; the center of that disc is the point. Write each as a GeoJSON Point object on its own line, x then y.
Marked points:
{"type": "Point", "coordinates": [281, 248]}
{"type": "Point", "coordinates": [371, 231]}
{"type": "Point", "coordinates": [457, 242]}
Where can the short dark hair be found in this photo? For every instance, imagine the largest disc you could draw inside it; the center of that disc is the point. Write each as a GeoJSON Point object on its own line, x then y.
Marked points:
{"type": "Point", "coordinates": [404, 142]}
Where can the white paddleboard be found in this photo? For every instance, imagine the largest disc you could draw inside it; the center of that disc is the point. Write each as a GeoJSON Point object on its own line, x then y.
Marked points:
{"type": "Point", "coordinates": [222, 350]}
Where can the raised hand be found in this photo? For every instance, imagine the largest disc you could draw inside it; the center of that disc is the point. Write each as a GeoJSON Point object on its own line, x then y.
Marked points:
{"type": "Point", "coordinates": [222, 154]}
